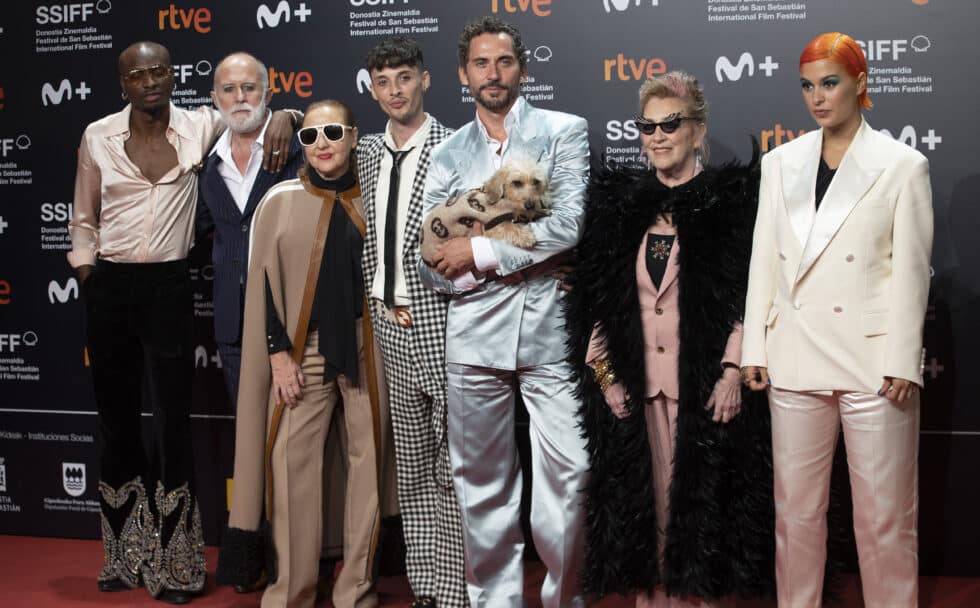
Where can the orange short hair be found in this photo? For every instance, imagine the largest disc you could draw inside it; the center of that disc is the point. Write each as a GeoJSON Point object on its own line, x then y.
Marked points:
{"type": "Point", "coordinates": [843, 50]}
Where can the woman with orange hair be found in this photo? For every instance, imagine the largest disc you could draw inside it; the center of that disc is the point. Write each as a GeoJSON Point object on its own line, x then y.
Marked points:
{"type": "Point", "coordinates": [836, 302]}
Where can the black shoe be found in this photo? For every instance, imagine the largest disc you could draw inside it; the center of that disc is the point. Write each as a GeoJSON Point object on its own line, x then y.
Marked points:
{"type": "Point", "coordinates": [257, 585]}
{"type": "Point", "coordinates": [173, 596]}
{"type": "Point", "coordinates": [112, 585]}
{"type": "Point", "coordinates": [423, 601]}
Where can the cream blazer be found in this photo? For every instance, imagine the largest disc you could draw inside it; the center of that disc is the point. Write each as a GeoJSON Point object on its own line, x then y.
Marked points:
{"type": "Point", "coordinates": [837, 299]}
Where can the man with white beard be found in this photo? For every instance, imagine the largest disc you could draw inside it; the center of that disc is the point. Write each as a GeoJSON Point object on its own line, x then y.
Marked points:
{"type": "Point", "coordinates": [232, 182]}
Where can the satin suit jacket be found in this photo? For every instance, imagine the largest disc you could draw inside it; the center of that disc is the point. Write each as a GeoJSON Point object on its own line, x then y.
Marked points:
{"type": "Point", "coordinates": [661, 316]}
{"type": "Point", "coordinates": [217, 210]}
{"type": "Point", "coordinates": [837, 298]}
{"type": "Point", "coordinates": [512, 326]}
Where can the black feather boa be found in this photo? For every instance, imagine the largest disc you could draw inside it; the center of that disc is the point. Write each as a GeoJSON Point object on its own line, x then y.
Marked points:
{"type": "Point", "coordinates": [720, 538]}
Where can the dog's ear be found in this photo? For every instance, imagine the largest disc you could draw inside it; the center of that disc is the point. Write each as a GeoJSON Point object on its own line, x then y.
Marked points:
{"type": "Point", "coordinates": [494, 187]}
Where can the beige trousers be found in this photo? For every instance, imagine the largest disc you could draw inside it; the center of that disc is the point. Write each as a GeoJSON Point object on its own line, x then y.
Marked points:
{"type": "Point", "coordinates": [882, 441]}
{"type": "Point", "coordinates": [297, 464]}
{"type": "Point", "coordinates": [661, 419]}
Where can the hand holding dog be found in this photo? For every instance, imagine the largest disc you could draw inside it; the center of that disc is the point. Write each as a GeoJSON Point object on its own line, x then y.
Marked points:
{"type": "Point", "coordinates": [455, 256]}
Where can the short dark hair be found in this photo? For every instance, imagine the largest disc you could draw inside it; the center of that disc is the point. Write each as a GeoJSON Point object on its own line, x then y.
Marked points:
{"type": "Point", "coordinates": [395, 52]}
{"type": "Point", "coordinates": [490, 25]}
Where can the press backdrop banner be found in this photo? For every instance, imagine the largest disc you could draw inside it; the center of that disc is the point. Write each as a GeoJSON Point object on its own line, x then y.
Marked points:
{"type": "Point", "coordinates": [586, 56]}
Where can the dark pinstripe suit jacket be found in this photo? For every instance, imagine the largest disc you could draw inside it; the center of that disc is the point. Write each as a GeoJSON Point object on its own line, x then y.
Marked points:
{"type": "Point", "coordinates": [217, 211]}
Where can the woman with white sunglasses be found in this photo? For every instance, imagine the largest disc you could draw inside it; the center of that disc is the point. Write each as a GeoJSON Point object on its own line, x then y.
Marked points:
{"type": "Point", "coordinates": [307, 343]}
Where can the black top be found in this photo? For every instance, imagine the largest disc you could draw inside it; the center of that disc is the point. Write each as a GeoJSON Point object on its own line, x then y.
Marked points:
{"type": "Point", "coordinates": [337, 302]}
{"type": "Point", "coordinates": [824, 176]}
{"type": "Point", "coordinates": [658, 252]}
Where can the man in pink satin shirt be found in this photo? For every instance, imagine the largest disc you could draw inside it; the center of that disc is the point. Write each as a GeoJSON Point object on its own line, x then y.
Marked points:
{"type": "Point", "coordinates": [135, 195]}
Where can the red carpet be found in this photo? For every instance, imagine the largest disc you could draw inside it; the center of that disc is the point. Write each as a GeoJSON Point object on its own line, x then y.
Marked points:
{"type": "Point", "coordinates": [55, 573]}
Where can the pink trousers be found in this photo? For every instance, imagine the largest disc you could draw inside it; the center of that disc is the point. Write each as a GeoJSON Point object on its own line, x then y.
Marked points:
{"type": "Point", "coordinates": [882, 441]}
{"type": "Point", "coordinates": [661, 419]}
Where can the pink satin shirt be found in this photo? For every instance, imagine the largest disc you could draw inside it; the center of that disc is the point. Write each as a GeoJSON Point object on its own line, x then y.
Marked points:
{"type": "Point", "coordinates": [119, 215]}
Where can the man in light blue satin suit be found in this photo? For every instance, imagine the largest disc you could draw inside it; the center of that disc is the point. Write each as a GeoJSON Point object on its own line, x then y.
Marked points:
{"type": "Point", "coordinates": [504, 332]}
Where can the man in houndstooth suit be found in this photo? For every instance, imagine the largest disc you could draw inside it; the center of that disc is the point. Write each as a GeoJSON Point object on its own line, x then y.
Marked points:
{"type": "Point", "coordinates": [409, 321]}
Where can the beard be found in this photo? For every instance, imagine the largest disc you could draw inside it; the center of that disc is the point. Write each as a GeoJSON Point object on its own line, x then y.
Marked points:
{"type": "Point", "coordinates": [510, 94]}
{"type": "Point", "coordinates": [244, 124]}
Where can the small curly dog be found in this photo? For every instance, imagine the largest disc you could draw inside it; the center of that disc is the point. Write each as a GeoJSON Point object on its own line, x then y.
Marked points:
{"type": "Point", "coordinates": [513, 196]}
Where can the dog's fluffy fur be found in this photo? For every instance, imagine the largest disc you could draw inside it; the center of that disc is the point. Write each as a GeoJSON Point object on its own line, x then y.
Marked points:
{"type": "Point", "coordinates": [519, 188]}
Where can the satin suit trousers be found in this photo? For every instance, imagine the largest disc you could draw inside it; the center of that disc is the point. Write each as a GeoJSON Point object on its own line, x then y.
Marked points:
{"type": "Point", "coordinates": [881, 437]}
{"type": "Point", "coordinates": [660, 414]}
{"type": "Point", "coordinates": [487, 477]}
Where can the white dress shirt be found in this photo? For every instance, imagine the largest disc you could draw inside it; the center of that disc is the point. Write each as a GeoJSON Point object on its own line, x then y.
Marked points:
{"type": "Point", "coordinates": [240, 185]}
{"type": "Point", "coordinates": [408, 170]}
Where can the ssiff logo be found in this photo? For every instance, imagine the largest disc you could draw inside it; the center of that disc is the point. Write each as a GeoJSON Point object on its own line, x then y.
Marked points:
{"type": "Point", "coordinates": [53, 96]}
{"type": "Point", "coordinates": [541, 8]}
{"type": "Point", "coordinates": [725, 69]}
{"type": "Point", "coordinates": [71, 12]}
{"type": "Point", "coordinates": [7, 144]}
{"type": "Point", "coordinates": [183, 71]}
{"type": "Point", "coordinates": [11, 342]}
{"type": "Point", "coordinates": [622, 5]}
{"type": "Point", "coordinates": [265, 17]}
{"type": "Point", "coordinates": [73, 477]}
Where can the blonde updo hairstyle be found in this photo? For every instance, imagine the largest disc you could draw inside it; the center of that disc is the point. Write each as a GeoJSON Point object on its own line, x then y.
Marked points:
{"type": "Point", "coordinates": [683, 86]}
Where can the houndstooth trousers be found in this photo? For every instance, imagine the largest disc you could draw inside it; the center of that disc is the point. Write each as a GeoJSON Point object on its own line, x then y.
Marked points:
{"type": "Point", "coordinates": [430, 514]}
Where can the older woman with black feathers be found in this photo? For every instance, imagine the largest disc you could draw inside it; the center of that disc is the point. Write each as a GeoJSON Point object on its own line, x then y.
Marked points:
{"type": "Point", "coordinates": [679, 507]}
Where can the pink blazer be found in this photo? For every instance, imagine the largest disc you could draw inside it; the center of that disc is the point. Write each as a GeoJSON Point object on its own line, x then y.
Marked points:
{"type": "Point", "coordinates": [660, 316]}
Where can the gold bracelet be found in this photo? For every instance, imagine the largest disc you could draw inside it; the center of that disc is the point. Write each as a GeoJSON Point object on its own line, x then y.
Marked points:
{"type": "Point", "coordinates": [604, 374]}
{"type": "Point", "coordinates": [608, 380]}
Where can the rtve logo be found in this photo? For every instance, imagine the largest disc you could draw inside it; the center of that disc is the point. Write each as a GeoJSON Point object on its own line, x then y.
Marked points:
{"type": "Point", "coordinates": [909, 137]}
{"type": "Point", "coordinates": [2, 102]}
{"type": "Point", "coordinates": [883, 50]}
{"type": "Point", "coordinates": [9, 343]}
{"type": "Point", "coordinates": [770, 138]}
{"type": "Point", "coordinates": [70, 12]}
{"type": "Point", "coordinates": [622, 5]}
{"type": "Point", "coordinates": [269, 18]}
{"type": "Point", "coordinates": [725, 69]}
{"type": "Point", "coordinates": [541, 8]}
{"type": "Point", "coordinates": [632, 69]}
{"type": "Point", "coordinates": [52, 97]}
{"type": "Point", "coordinates": [4, 291]}
{"type": "Point", "coordinates": [175, 18]}
{"type": "Point", "coordinates": [300, 83]}
{"type": "Point", "coordinates": [60, 295]}
{"type": "Point", "coordinates": [184, 71]}
{"type": "Point", "coordinates": [7, 144]}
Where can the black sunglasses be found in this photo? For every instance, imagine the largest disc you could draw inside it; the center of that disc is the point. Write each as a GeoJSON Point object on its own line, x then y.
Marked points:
{"type": "Point", "coordinates": [156, 72]}
{"type": "Point", "coordinates": [647, 127]}
{"type": "Point", "coordinates": [333, 131]}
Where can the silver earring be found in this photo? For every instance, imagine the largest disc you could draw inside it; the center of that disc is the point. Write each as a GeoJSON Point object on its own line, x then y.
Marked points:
{"type": "Point", "coordinates": [124, 96]}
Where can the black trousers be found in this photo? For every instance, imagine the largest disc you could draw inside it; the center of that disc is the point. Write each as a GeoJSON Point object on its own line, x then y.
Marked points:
{"type": "Point", "coordinates": [139, 331]}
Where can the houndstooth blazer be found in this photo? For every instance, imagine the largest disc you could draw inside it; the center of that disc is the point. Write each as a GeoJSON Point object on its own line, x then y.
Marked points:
{"type": "Point", "coordinates": [428, 308]}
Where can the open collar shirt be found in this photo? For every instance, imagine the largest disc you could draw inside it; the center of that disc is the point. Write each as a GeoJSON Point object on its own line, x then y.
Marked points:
{"type": "Point", "coordinates": [119, 215]}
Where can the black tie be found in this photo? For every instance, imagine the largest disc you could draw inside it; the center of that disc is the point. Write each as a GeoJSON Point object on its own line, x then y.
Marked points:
{"type": "Point", "coordinates": [391, 221]}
